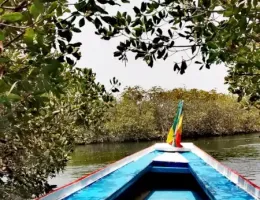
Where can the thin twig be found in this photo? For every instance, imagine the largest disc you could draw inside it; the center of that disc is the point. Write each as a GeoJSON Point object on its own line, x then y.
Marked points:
{"type": "Point", "coordinates": [7, 7]}
{"type": "Point", "coordinates": [22, 5]}
{"type": "Point", "coordinates": [18, 27]}
{"type": "Point", "coordinates": [13, 40]}
{"type": "Point", "coordinates": [3, 3]}
{"type": "Point", "coordinates": [190, 59]}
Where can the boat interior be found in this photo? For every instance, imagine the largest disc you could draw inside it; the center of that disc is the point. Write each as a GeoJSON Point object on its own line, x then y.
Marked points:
{"type": "Point", "coordinates": [161, 175]}
{"type": "Point", "coordinates": [165, 180]}
{"type": "Point", "coordinates": [156, 185]}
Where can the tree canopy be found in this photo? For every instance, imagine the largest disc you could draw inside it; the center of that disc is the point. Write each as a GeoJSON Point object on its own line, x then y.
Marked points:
{"type": "Point", "coordinates": [146, 115]}
{"type": "Point", "coordinates": [212, 32]}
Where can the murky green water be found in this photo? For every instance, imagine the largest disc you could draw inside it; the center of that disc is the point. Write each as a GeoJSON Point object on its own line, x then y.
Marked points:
{"type": "Point", "coordinates": [241, 153]}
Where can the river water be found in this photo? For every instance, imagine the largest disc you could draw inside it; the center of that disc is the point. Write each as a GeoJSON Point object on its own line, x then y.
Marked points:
{"type": "Point", "coordinates": [240, 152]}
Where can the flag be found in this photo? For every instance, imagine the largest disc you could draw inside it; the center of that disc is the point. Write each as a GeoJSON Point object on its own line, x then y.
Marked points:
{"type": "Point", "coordinates": [178, 133]}
{"type": "Point", "coordinates": [174, 135]}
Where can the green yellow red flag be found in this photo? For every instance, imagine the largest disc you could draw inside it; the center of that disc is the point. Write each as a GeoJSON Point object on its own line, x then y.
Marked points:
{"type": "Point", "coordinates": [174, 135]}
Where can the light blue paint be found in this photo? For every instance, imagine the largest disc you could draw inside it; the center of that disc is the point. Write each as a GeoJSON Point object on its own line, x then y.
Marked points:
{"type": "Point", "coordinates": [213, 183]}
{"type": "Point", "coordinates": [216, 185]}
{"type": "Point", "coordinates": [110, 184]}
{"type": "Point", "coordinates": [175, 170]}
{"type": "Point", "coordinates": [173, 195]}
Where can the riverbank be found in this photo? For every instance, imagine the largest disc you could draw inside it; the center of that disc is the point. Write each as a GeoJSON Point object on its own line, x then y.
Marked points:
{"type": "Point", "coordinates": [163, 138]}
{"type": "Point", "coordinates": [141, 115]}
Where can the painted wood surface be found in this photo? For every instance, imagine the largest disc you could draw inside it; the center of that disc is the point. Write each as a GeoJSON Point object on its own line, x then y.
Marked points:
{"type": "Point", "coordinates": [112, 180]}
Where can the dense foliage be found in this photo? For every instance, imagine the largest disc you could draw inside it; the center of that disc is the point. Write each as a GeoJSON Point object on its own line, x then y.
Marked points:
{"type": "Point", "coordinates": [44, 99]}
{"type": "Point", "coordinates": [209, 31]}
{"type": "Point", "coordinates": [147, 115]}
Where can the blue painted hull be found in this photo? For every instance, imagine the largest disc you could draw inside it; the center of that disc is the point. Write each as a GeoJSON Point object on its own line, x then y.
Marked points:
{"type": "Point", "coordinates": [144, 177]}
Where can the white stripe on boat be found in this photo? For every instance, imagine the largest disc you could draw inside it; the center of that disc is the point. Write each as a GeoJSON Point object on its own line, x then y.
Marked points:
{"type": "Point", "coordinates": [169, 148]}
{"type": "Point", "coordinates": [171, 157]}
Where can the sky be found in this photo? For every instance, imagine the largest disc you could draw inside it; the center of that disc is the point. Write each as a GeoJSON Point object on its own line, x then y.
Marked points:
{"type": "Point", "coordinates": [98, 55]}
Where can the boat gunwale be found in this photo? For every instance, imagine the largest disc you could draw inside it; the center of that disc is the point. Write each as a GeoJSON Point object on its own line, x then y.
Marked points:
{"type": "Point", "coordinates": [117, 164]}
{"type": "Point", "coordinates": [232, 175]}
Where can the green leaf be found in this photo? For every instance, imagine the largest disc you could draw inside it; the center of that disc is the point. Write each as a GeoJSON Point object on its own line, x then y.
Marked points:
{"type": "Point", "coordinates": [29, 35]}
{"type": "Point", "coordinates": [117, 53]}
{"type": "Point", "coordinates": [76, 30]}
{"type": "Point", "coordinates": [143, 46]}
{"type": "Point", "coordinates": [39, 5]}
{"type": "Point", "coordinates": [12, 17]}
{"type": "Point", "coordinates": [101, 10]}
{"type": "Point", "coordinates": [180, 34]}
{"type": "Point", "coordinates": [69, 61]}
{"type": "Point", "coordinates": [77, 44]}
{"type": "Point", "coordinates": [82, 22]}
{"type": "Point", "coordinates": [143, 6]}
{"type": "Point", "coordinates": [12, 96]}
{"type": "Point", "coordinates": [176, 67]}
{"type": "Point", "coordinates": [212, 45]}
{"type": "Point", "coordinates": [228, 13]}
{"type": "Point", "coordinates": [129, 19]}
{"type": "Point", "coordinates": [3, 86]}
{"type": "Point", "coordinates": [243, 23]}
{"type": "Point", "coordinates": [242, 60]}
{"type": "Point", "coordinates": [156, 40]}
{"type": "Point", "coordinates": [65, 34]}
{"type": "Point", "coordinates": [34, 11]}
{"type": "Point", "coordinates": [138, 31]}
{"type": "Point", "coordinates": [183, 67]}
{"type": "Point", "coordinates": [59, 11]}
{"type": "Point", "coordinates": [77, 55]}
{"type": "Point", "coordinates": [53, 6]}
{"type": "Point", "coordinates": [137, 11]}
{"type": "Point", "coordinates": [170, 33]}
{"type": "Point", "coordinates": [161, 53]}
{"type": "Point", "coordinates": [110, 20]}
{"type": "Point", "coordinates": [159, 31]}
{"type": "Point", "coordinates": [171, 44]}
{"type": "Point", "coordinates": [2, 36]}
{"type": "Point", "coordinates": [127, 30]}
{"type": "Point", "coordinates": [81, 6]}
{"type": "Point", "coordinates": [149, 61]}
{"type": "Point", "coordinates": [97, 23]}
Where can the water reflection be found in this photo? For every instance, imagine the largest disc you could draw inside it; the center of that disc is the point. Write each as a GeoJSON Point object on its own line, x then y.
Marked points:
{"type": "Point", "coordinates": [241, 153]}
{"type": "Point", "coordinates": [105, 153]}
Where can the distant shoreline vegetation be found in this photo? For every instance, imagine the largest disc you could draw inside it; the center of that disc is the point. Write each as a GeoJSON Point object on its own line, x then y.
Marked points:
{"type": "Point", "coordinates": [143, 115]}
